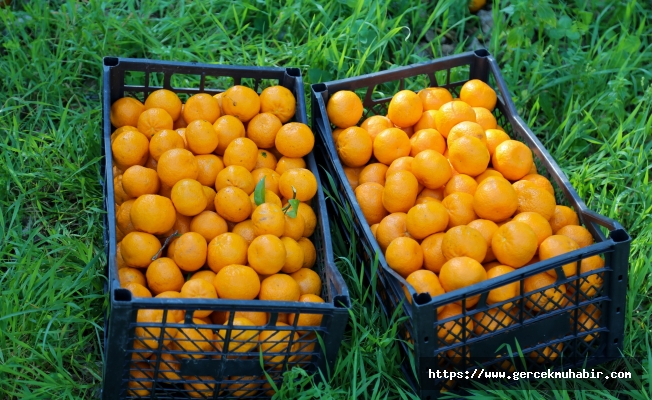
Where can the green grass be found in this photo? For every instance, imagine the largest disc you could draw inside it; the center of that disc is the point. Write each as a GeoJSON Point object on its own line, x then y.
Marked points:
{"type": "Point", "coordinates": [579, 75]}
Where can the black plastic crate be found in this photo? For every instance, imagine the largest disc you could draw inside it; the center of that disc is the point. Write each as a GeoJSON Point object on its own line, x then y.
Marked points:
{"type": "Point", "coordinates": [548, 338]}
{"type": "Point", "coordinates": [141, 360]}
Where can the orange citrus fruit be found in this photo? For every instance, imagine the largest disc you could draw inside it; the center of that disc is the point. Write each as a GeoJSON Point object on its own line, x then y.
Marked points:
{"type": "Point", "coordinates": [344, 109]}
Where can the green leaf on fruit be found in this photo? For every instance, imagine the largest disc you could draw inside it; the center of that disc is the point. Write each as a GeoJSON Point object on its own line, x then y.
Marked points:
{"type": "Point", "coordinates": [294, 208]}
{"type": "Point", "coordinates": [259, 192]}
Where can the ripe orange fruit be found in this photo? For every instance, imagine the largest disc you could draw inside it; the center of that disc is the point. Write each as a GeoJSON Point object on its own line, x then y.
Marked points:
{"type": "Point", "coordinates": [163, 141]}
{"type": "Point", "coordinates": [308, 280]}
{"type": "Point", "coordinates": [194, 341]}
{"type": "Point", "coordinates": [206, 275]}
{"type": "Point", "coordinates": [588, 319]}
{"type": "Point", "coordinates": [152, 214]}
{"type": "Point", "coordinates": [137, 181]}
{"type": "Point", "coordinates": [495, 199]}
{"type": "Point", "coordinates": [188, 197]}
{"type": "Point", "coordinates": [539, 224]}
{"type": "Point", "coordinates": [485, 118]}
{"type": "Point", "coordinates": [434, 98]}
{"type": "Point", "coordinates": [209, 165]}
{"type": "Point", "coordinates": [265, 160]}
{"type": "Point", "coordinates": [279, 101]}
{"type": "Point", "coordinates": [241, 102]}
{"type": "Point", "coordinates": [293, 256]}
{"type": "Point", "coordinates": [294, 227]}
{"type": "Point", "coordinates": [433, 258]}
{"type": "Point", "coordinates": [279, 287]}
{"type": "Point", "coordinates": [262, 129]}
{"type": "Point", "coordinates": [180, 123]}
{"type": "Point", "coordinates": [492, 320]}
{"type": "Point", "coordinates": [427, 121]}
{"type": "Point", "coordinates": [277, 342]}
{"type": "Point", "coordinates": [391, 227]}
{"type": "Point", "coordinates": [579, 234]}
{"type": "Point", "coordinates": [546, 300]}
{"type": "Point", "coordinates": [245, 229]}
{"type": "Point", "coordinates": [592, 283]}
{"type": "Point", "coordinates": [452, 331]}
{"type": "Point", "coordinates": [514, 244]}
{"type": "Point", "coordinates": [294, 139]}
{"type": "Point", "coordinates": [400, 192]}
{"type": "Point", "coordinates": [198, 289]}
{"type": "Point", "coordinates": [201, 106]}
{"type": "Point", "coordinates": [431, 169]}
{"type": "Point", "coordinates": [226, 249]}
{"type": "Point", "coordinates": [354, 147]}
{"type": "Point", "coordinates": [137, 290]}
{"type": "Point", "coordinates": [128, 275]}
{"type": "Point", "coordinates": [208, 224]}
{"type": "Point", "coordinates": [302, 180]}
{"type": "Point", "coordinates": [344, 109]}
{"type": "Point", "coordinates": [390, 144]}
{"type": "Point", "coordinates": [201, 389]}
{"type": "Point", "coordinates": [164, 275]}
{"type": "Point", "coordinates": [478, 94]}
{"type": "Point", "coordinates": [153, 120]}
{"type": "Point", "coordinates": [513, 159]}
{"type": "Point", "coordinates": [270, 197]}
{"type": "Point", "coordinates": [437, 194]}
{"type": "Point", "coordinates": [487, 229]}
{"type": "Point", "coordinates": [426, 219]}
{"type": "Point", "coordinates": [556, 245]}
{"type": "Point", "coordinates": [376, 124]}
{"type": "Point", "coordinates": [138, 248]}
{"type": "Point", "coordinates": [266, 254]}
{"type": "Point", "coordinates": [405, 108]}
{"type": "Point", "coordinates": [505, 292]}
{"type": "Point", "coordinates": [540, 181]}
{"type": "Point", "coordinates": [424, 281]}
{"type": "Point", "coordinates": [460, 209]}
{"type": "Point", "coordinates": [373, 173]}
{"type": "Point", "coordinates": [228, 128]}
{"type": "Point", "coordinates": [494, 138]}
{"type": "Point", "coordinates": [460, 272]}
{"type": "Point", "coordinates": [232, 204]}
{"type": "Point", "coordinates": [370, 199]}
{"type": "Point", "coordinates": [460, 183]}
{"type": "Point", "coordinates": [175, 165]}
{"type": "Point", "coordinates": [404, 255]}
{"type": "Point", "coordinates": [125, 112]}
{"type": "Point", "coordinates": [309, 252]}
{"type": "Point", "coordinates": [427, 139]}
{"type": "Point", "coordinates": [241, 340]}
{"type": "Point", "coordinates": [237, 176]}
{"type": "Point", "coordinates": [352, 176]}
{"type": "Point", "coordinates": [463, 241]}
{"type": "Point", "coordinates": [304, 320]}
{"type": "Point", "coordinates": [469, 156]}
{"type": "Point", "coordinates": [285, 163]}
{"type": "Point", "coordinates": [165, 99]}
{"type": "Point", "coordinates": [488, 173]}
{"type": "Point", "coordinates": [242, 152]}
{"type": "Point", "coordinates": [130, 148]}
{"type": "Point", "coordinates": [532, 198]}
{"type": "Point", "coordinates": [400, 164]}
{"type": "Point", "coordinates": [238, 282]}
{"type": "Point", "coordinates": [563, 216]}
{"type": "Point", "coordinates": [201, 137]}
{"type": "Point", "coordinates": [268, 219]}
{"type": "Point", "coordinates": [309, 218]}
{"type": "Point", "coordinates": [466, 128]}
{"type": "Point", "coordinates": [451, 114]}
{"type": "Point", "coordinates": [181, 225]}
{"type": "Point", "coordinates": [271, 179]}
{"type": "Point", "coordinates": [190, 251]}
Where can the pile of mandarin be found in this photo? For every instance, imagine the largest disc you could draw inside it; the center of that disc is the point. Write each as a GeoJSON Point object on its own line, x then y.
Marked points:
{"type": "Point", "coordinates": [452, 200]}
{"type": "Point", "coordinates": [212, 201]}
